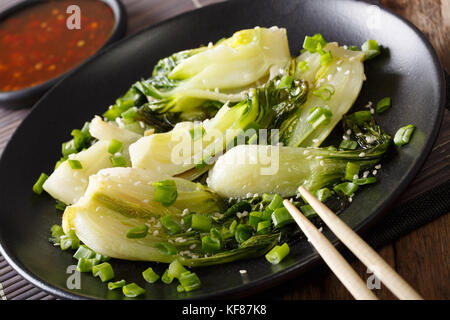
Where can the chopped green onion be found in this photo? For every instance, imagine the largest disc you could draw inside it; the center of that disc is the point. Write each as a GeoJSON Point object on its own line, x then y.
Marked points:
{"type": "Point", "coordinates": [326, 58]}
{"type": "Point", "coordinates": [323, 194]}
{"type": "Point", "coordinates": [371, 49]}
{"type": "Point", "coordinates": [85, 265]}
{"type": "Point", "coordinates": [210, 244]}
{"type": "Point", "coordinates": [233, 226]}
{"type": "Point", "coordinates": [37, 187]}
{"type": "Point", "coordinates": [68, 148]}
{"type": "Point", "coordinates": [75, 164]}
{"type": "Point", "coordinates": [116, 285]}
{"type": "Point", "coordinates": [277, 202]}
{"type": "Point", "coordinates": [285, 82]}
{"type": "Point", "coordinates": [201, 223]}
{"type": "Point", "coordinates": [137, 232]}
{"type": "Point", "coordinates": [150, 276]}
{"type": "Point", "coordinates": [314, 43]}
{"type": "Point", "coordinates": [112, 113]}
{"type": "Point", "coordinates": [101, 258]}
{"type": "Point", "coordinates": [69, 240]}
{"type": "Point", "coordinates": [308, 211]}
{"type": "Point", "coordinates": [277, 253]}
{"type": "Point", "coordinates": [318, 115]}
{"type": "Point", "coordinates": [57, 164]}
{"type": "Point", "coordinates": [166, 248]}
{"type": "Point", "coordinates": [403, 135]}
{"type": "Point", "coordinates": [130, 115]}
{"type": "Point", "coordinates": [303, 66]}
{"type": "Point", "coordinates": [353, 48]}
{"type": "Point", "coordinates": [346, 188]}
{"type": "Point", "coordinates": [254, 218]}
{"type": "Point", "coordinates": [132, 290]}
{"type": "Point", "coordinates": [263, 227]}
{"type": "Point", "coordinates": [165, 192]}
{"type": "Point", "coordinates": [325, 93]}
{"type": "Point", "coordinates": [243, 233]}
{"type": "Point", "coordinates": [166, 277]}
{"type": "Point", "coordinates": [84, 252]}
{"type": "Point", "coordinates": [176, 269]}
{"type": "Point", "coordinates": [57, 233]}
{"type": "Point", "coordinates": [170, 226]}
{"type": "Point", "coordinates": [331, 148]}
{"type": "Point", "coordinates": [104, 271]}
{"type": "Point", "coordinates": [180, 288]}
{"type": "Point", "coordinates": [60, 205]}
{"type": "Point", "coordinates": [187, 221]}
{"type": "Point", "coordinates": [348, 144]}
{"type": "Point", "coordinates": [197, 133]}
{"type": "Point", "coordinates": [363, 181]}
{"type": "Point", "coordinates": [115, 146]}
{"type": "Point", "coordinates": [281, 217]}
{"type": "Point", "coordinates": [360, 117]}
{"type": "Point", "coordinates": [351, 171]}
{"type": "Point", "coordinates": [383, 105]}
{"type": "Point", "coordinates": [118, 161]}
{"type": "Point", "coordinates": [267, 198]}
{"type": "Point", "coordinates": [189, 281]}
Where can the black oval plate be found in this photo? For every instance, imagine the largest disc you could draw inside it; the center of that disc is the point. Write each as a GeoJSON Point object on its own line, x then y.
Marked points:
{"type": "Point", "coordinates": [408, 71]}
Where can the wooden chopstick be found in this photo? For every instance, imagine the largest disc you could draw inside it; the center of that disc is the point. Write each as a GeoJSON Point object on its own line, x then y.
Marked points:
{"type": "Point", "coordinates": [331, 256]}
{"type": "Point", "coordinates": [381, 269]}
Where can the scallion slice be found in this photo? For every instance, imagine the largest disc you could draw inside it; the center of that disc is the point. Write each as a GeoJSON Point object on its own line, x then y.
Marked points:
{"type": "Point", "coordinates": [132, 290]}
{"type": "Point", "coordinates": [176, 269]}
{"type": "Point", "coordinates": [37, 187]}
{"type": "Point", "coordinates": [286, 82]}
{"type": "Point", "coordinates": [323, 194]}
{"type": "Point", "coordinates": [69, 240]}
{"type": "Point", "coordinates": [137, 232]}
{"type": "Point", "coordinates": [115, 146]}
{"type": "Point", "coordinates": [326, 58]}
{"type": "Point", "coordinates": [166, 248]}
{"type": "Point", "coordinates": [346, 188]}
{"type": "Point", "coordinates": [243, 233]}
{"type": "Point", "coordinates": [371, 49]}
{"type": "Point", "coordinates": [403, 135]}
{"type": "Point", "coordinates": [325, 93]}
{"type": "Point", "coordinates": [277, 253]}
{"type": "Point", "coordinates": [281, 217]}
{"type": "Point", "coordinates": [85, 265]}
{"type": "Point", "coordinates": [84, 252]}
{"type": "Point", "coordinates": [170, 226]}
{"type": "Point", "coordinates": [75, 164]}
{"type": "Point", "coordinates": [383, 105]}
{"type": "Point", "coordinates": [166, 277]}
{"type": "Point", "coordinates": [165, 192]}
{"type": "Point", "coordinates": [201, 223]}
{"type": "Point", "coordinates": [363, 181]}
{"type": "Point", "coordinates": [263, 227]}
{"type": "Point", "coordinates": [348, 144]}
{"type": "Point", "coordinates": [303, 66]}
{"type": "Point", "coordinates": [104, 271]}
{"type": "Point", "coordinates": [150, 276]}
{"type": "Point", "coordinates": [308, 211]}
{"type": "Point", "coordinates": [116, 285]}
{"type": "Point", "coordinates": [118, 161]}
{"type": "Point", "coordinates": [189, 281]}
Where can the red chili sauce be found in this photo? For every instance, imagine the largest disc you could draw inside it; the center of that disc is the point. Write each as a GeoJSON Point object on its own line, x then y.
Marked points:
{"type": "Point", "coordinates": [36, 44]}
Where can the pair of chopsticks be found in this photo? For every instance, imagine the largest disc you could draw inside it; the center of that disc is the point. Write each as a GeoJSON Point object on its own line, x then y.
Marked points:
{"type": "Point", "coordinates": [344, 272]}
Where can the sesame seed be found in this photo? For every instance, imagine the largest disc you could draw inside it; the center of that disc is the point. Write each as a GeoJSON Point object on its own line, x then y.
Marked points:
{"type": "Point", "coordinates": [374, 172]}
{"type": "Point", "coordinates": [366, 174]}
{"type": "Point", "coordinates": [349, 132]}
{"type": "Point", "coordinates": [378, 166]}
{"type": "Point", "coordinates": [362, 154]}
{"type": "Point", "coordinates": [322, 163]}
{"type": "Point", "coordinates": [192, 246]}
{"type": "Point", "coordinates": [339, 69]}
{"type": "Point", "coordinates": [355, 177]}
{"type": "Point", "coordinates": [242, 271]}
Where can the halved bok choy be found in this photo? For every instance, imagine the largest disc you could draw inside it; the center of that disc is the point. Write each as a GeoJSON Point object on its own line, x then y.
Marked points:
{"type": "Point", "coordinates": [68, 184]}
{"type": "Point", "coordinates": [119, 199]}
{"type": "Point", "coordinates": [187, 84]}
{"type": "Point", "coordinates": [258, 169]}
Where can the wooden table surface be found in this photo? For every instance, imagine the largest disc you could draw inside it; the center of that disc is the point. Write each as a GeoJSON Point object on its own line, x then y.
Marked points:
{"type": "Point", "coordinates": [421, 257]}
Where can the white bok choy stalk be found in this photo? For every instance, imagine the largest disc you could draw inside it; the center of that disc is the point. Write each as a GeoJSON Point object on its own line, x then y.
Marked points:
{"type": "Point", "coordinates": [67, 184]}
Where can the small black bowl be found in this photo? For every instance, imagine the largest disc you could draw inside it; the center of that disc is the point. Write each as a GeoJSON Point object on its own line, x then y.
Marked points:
{"type": "Point", "coordinates": [28, 96]}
